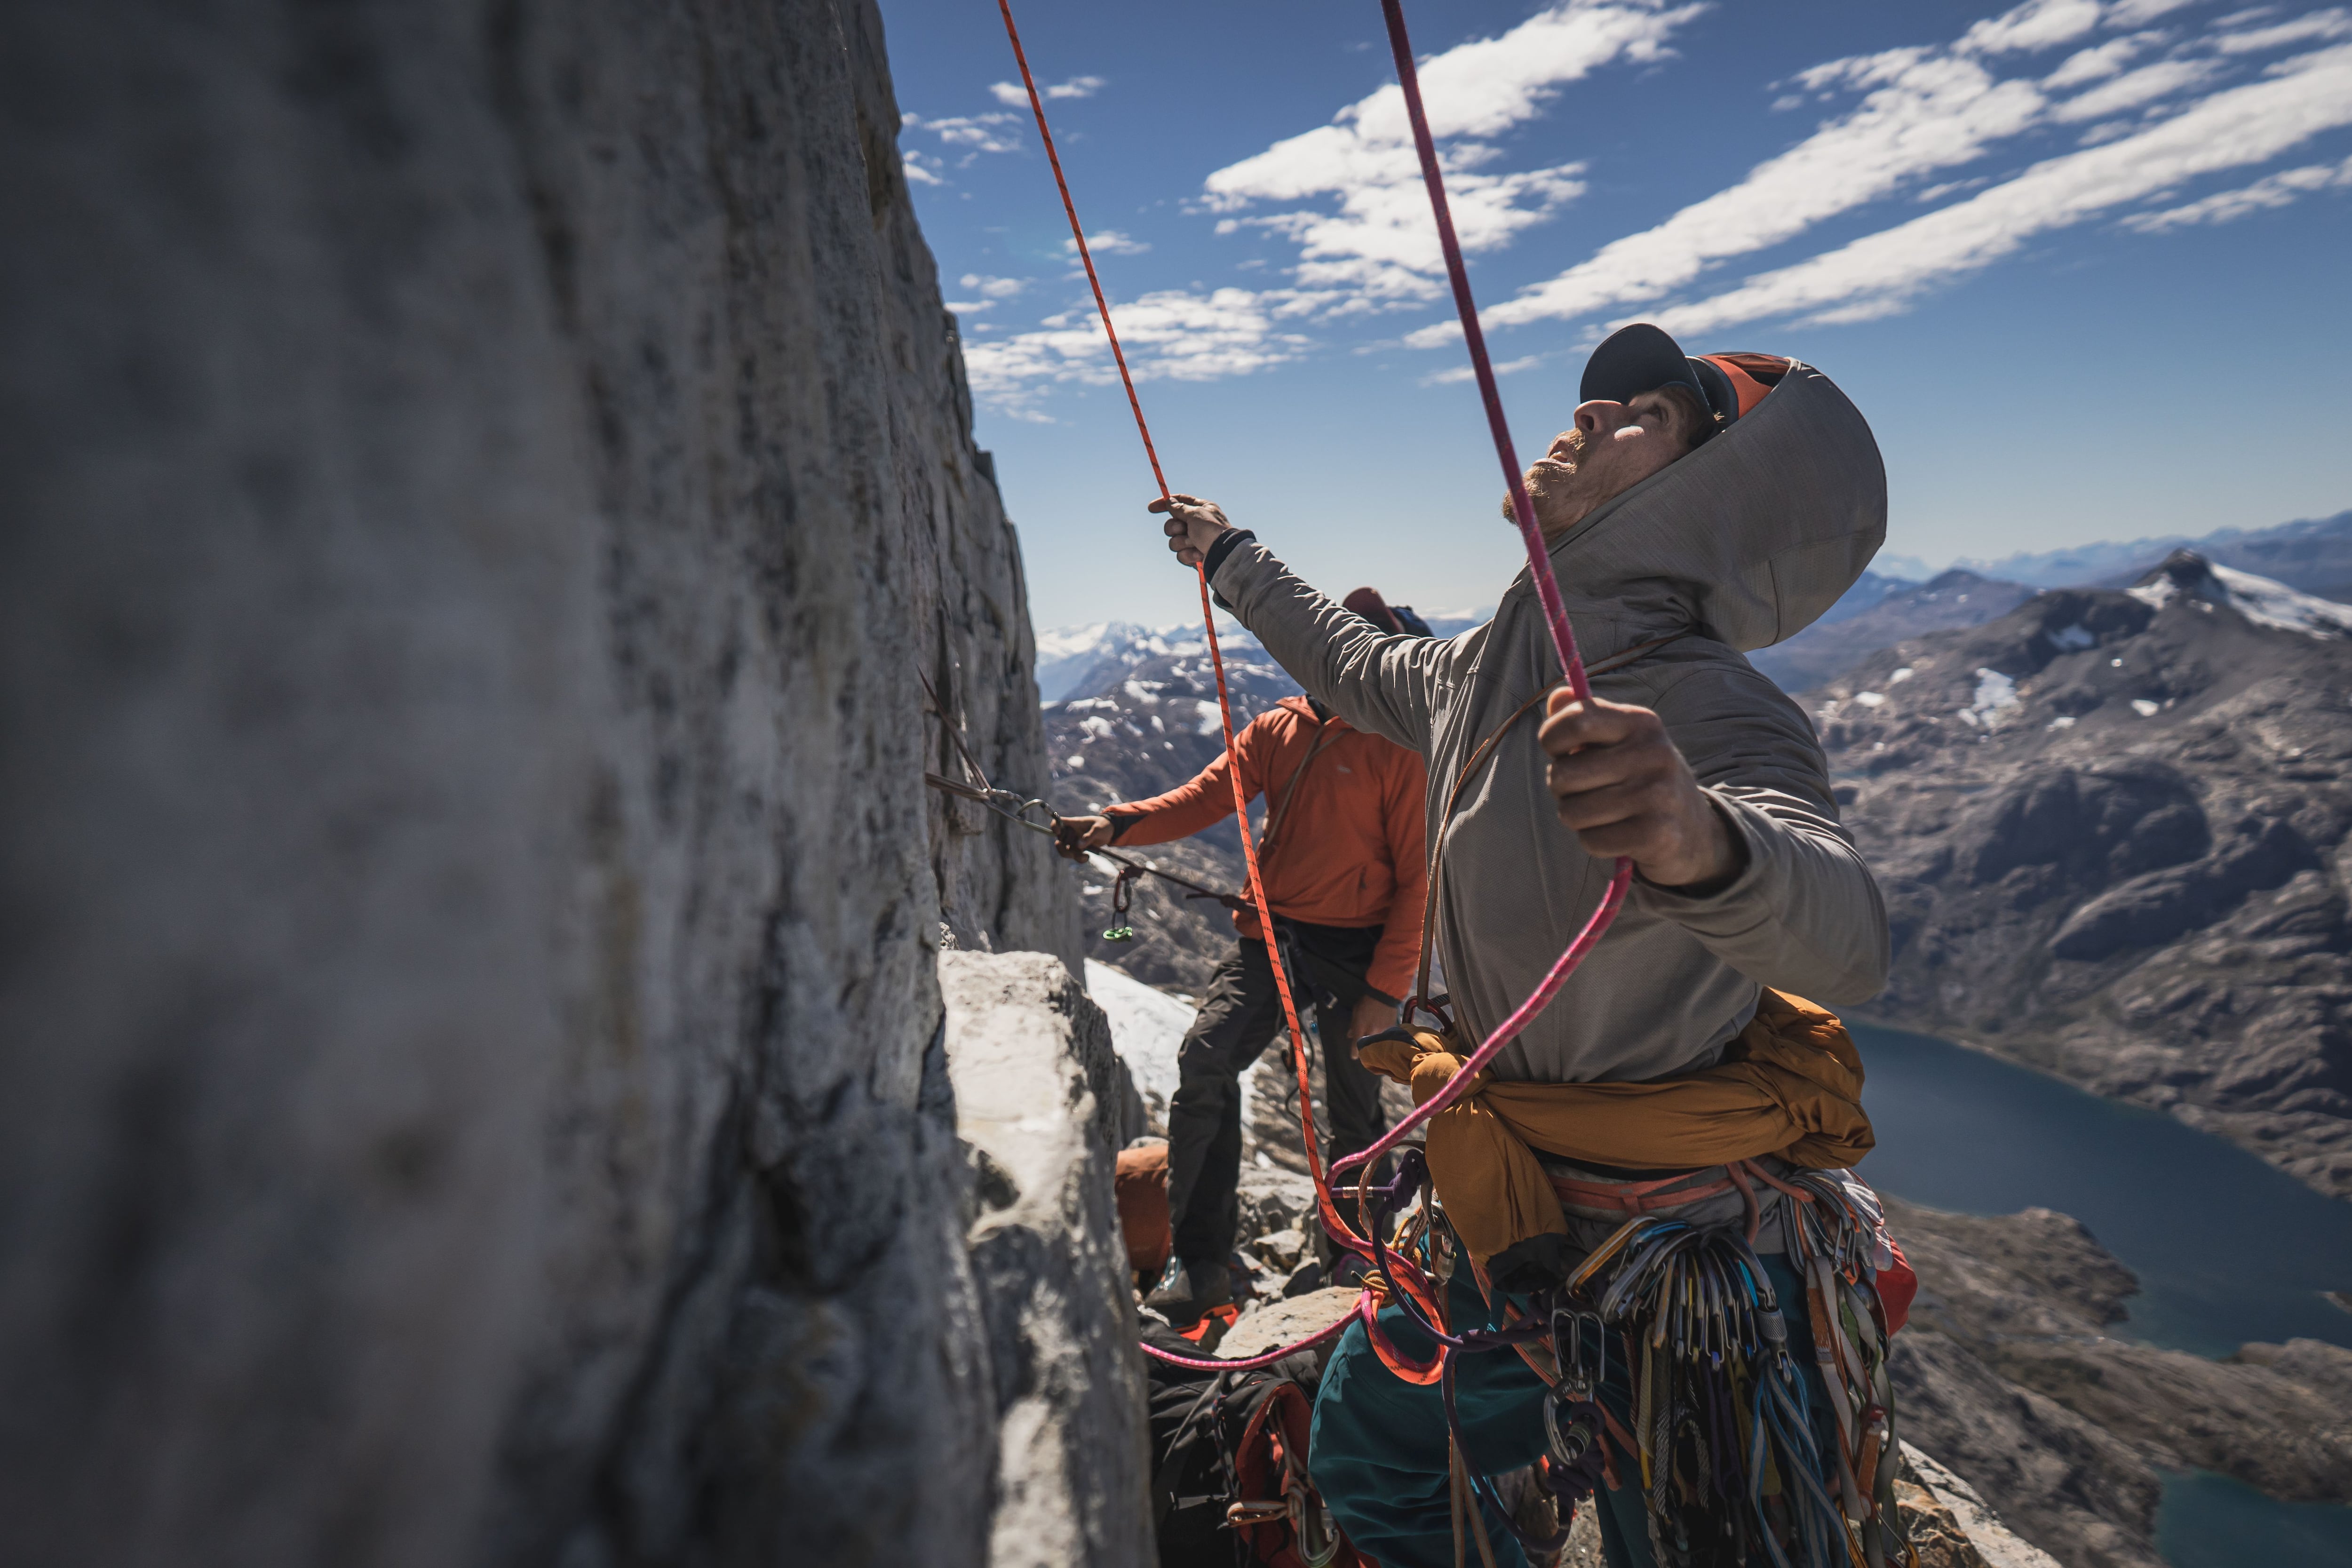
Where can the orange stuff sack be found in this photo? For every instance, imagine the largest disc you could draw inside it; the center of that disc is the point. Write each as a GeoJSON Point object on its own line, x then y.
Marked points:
{"type": "Point", "coordinates": [1140, 1186]}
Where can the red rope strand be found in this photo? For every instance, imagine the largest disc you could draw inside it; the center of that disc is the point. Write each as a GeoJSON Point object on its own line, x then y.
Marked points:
{"type": "Point", "coordinates": [1333, 1219]}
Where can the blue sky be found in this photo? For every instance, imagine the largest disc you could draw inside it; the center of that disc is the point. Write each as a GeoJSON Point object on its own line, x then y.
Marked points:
{"type": "Point", "coordinates": [2083, 265]}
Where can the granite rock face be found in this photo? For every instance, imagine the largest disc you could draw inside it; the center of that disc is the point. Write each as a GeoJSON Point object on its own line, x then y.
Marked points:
{"type": "Point", "coordinates": [482, 480]}
{"type": "Point", "coordinates": [1045, 1126]}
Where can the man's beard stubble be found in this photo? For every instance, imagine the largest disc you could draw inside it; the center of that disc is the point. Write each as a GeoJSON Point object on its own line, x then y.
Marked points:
{"type": "Point", "coordinates": [1545, 484]}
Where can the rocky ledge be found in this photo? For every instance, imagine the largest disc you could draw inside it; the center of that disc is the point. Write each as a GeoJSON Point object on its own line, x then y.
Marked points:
{"type": "Point", "coordinates": [2009, 1375]}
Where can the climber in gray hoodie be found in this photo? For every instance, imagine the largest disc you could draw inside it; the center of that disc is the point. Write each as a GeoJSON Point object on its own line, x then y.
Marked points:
{"type": "Point", "coordinates": [1699, 508]}
{"type": "Point", "coordinates": [1680, 539]}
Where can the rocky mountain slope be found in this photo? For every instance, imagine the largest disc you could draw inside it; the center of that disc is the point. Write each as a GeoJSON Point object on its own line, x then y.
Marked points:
{"type": "Point", "coordinates": [1142, 729]}
{"type": "Point", "coordinates": [1873, 615]}
{"type": "Point", "coordinates": [2112, 831]}
{"type": "Point", "coordinates": [2007, 1375]}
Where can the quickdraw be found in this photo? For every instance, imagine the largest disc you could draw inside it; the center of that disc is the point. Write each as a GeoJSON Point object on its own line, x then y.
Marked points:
{"type": "Point", "coordinates": [1121, 886]}
{"type": "Point", "coordinates": [1016, 809]}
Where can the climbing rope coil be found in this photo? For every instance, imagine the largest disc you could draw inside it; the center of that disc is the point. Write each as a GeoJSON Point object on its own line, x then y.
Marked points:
{"type": "Point", "coordinates": [1699, 1324]}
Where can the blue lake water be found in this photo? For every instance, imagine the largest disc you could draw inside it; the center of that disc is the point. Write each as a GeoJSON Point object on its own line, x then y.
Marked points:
{"type": "Point", "coordinates": [2227, 1249]}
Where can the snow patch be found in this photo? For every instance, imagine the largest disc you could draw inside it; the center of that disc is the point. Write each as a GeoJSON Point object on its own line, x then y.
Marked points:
{"type": "Point", "coordinates": [2145, 708]}
{"type": "Point", "coordinates": [1870, 699]}
{"type": "Point", "coordinates": [2269, 604]}
{"type": "Point", "coordinates": [1900, 675]}
{"type": "Point", "coordinates": [1995, 696]}
{"type": "Point", "coordinates": [2261, 600]}
{"type": "Point", "coordinates": [2072, 640]}
{"type": "Point", "coordinates": [1147, 1028]}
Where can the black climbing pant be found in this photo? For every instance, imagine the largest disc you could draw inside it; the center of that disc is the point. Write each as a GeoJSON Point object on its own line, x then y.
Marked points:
{"type": "Point", "coordinates": [1239, 1018]}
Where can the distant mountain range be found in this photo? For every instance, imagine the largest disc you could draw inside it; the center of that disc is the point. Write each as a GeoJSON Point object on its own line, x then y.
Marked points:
{"type": "Point", "coordinates": [1082, 661]}
{"type": "Point", "coordinates": [1880, 610]}
{"type": "Point", "coordinates": [2314, 554]}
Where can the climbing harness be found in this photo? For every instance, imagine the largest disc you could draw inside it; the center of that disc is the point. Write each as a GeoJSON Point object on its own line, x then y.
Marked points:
{"type": "Point", "coordinates": [1563, 636]}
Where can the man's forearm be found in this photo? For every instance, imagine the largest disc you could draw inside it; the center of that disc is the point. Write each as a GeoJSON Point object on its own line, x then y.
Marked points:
{"type": "Point", "coordinates": [1378, 681]}
{"type": "Point", "coordinates": [1804, 915]}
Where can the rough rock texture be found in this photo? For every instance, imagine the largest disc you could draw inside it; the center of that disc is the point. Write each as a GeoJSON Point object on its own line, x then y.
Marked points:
{"type": "Point", "coordinates": [1045, 1126]}
{"type": "Point", "coordinates": [481, 480]}
{"type": "Point", "coordinates": [1837, 642]}
{"type": "Point", "coordinates": [1951, 1526]}
{"type": "Point", "coordinates": [2007, 1377]}
{"type": "Point", "coordinates": [2115, 833]}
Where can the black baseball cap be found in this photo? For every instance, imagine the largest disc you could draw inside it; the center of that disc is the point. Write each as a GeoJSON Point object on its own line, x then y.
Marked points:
{"type": "Point", "coordinates": [1642, 358]}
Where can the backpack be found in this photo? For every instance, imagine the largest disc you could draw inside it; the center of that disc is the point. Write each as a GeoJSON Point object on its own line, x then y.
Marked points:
{"type": "Point", "coordinates": [1229, 1483]}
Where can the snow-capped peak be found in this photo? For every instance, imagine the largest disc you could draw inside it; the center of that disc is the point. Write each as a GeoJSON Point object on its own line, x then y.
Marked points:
{"type": "Point", "coordinates": [2187, 575]}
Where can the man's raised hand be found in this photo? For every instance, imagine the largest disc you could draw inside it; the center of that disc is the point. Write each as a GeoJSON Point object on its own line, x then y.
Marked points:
{"type": "Point", "coordinates": [1192, 525]}
{"type": "Point", "coordinates": [1074, 835]}
{"type": "Point", "coordinates": [1625, 790]}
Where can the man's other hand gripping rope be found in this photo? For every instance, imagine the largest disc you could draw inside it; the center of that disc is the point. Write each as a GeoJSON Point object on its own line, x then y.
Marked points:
{"type": "Point", "coordinates": [1563, 643]}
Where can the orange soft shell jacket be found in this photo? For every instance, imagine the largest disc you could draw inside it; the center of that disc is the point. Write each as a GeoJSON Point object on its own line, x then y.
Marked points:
{"type": "Point", "coordinates": [1349, 851]}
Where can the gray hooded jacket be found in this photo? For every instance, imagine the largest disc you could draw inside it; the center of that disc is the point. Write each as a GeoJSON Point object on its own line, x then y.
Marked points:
{"type": "Point", "coordinates": [1738, 545]}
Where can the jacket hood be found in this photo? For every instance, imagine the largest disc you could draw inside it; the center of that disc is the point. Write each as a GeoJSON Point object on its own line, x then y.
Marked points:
{"type": "Point", "coordinates": [1750, 538]}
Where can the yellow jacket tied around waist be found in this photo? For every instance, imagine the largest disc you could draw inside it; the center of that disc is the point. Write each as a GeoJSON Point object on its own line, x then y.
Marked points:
{"type": "Point", "coordinates": [1790, 1084]}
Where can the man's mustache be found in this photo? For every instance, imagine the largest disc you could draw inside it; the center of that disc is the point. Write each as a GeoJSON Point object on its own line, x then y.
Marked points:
{"type": "Point", "coordinates": [1576, 442]}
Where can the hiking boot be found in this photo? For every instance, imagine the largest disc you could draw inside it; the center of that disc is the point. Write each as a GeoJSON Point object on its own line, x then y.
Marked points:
{"type": "Point", "coordinates": [1190, 1288]}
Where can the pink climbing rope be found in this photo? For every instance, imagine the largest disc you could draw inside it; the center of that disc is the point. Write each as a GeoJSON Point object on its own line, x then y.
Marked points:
{"type": "Point", "coordinates": [1563, 636]}
{"type": "Point", "coordinates": [1554, 615]}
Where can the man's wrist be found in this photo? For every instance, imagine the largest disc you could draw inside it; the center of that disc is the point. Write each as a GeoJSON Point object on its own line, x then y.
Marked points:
{"type": "Point", "coordinates": [1721, 869]}
{"type": "Point", "coordinates": [1224, 545]}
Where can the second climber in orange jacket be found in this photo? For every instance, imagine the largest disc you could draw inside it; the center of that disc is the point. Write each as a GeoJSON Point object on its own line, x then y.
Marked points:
{"type": "Point", "coordinates": [1343, 857]}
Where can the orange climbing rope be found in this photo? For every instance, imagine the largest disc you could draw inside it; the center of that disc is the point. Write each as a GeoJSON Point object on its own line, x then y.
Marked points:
{"type": "Point", "coordinates": [1257, 890]}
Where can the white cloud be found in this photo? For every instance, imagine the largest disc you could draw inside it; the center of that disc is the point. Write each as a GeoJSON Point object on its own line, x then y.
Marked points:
{"type": "Point", "coordinates": [1014, 93]}
{"type": "Point", "coordinates": [2132, 13]}
{"type": "Point", "coordinates": [1926, 111]}
{"type": "Point", "coordinates": [2319, 24]}
{"type": "Point", "coordinates": [1465, 372]}
{"type": "Point", "coordinates": [1109, 242]}
{"type": "Point", "coordinates": [2223, 207]}
{"type": "Point", "coordinates": [918, 165]}
{"type": "Point", "coordinates": [2143, 86]}
{"type": "Point", "coordinates": [2100, 61]}
{"type": "Point", "coordinates": [1172, 334]}
{"type": "Point", "coordinates": [979, 132]}
{"type": "Point", "coordinates": [2037, 24]}
{"type": "Point", "coordinates": [1881, 274]}
{"type": "Point", "coordinates": [1380, 245]}
{"type": "Point", "coordinates": [991, 291]}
